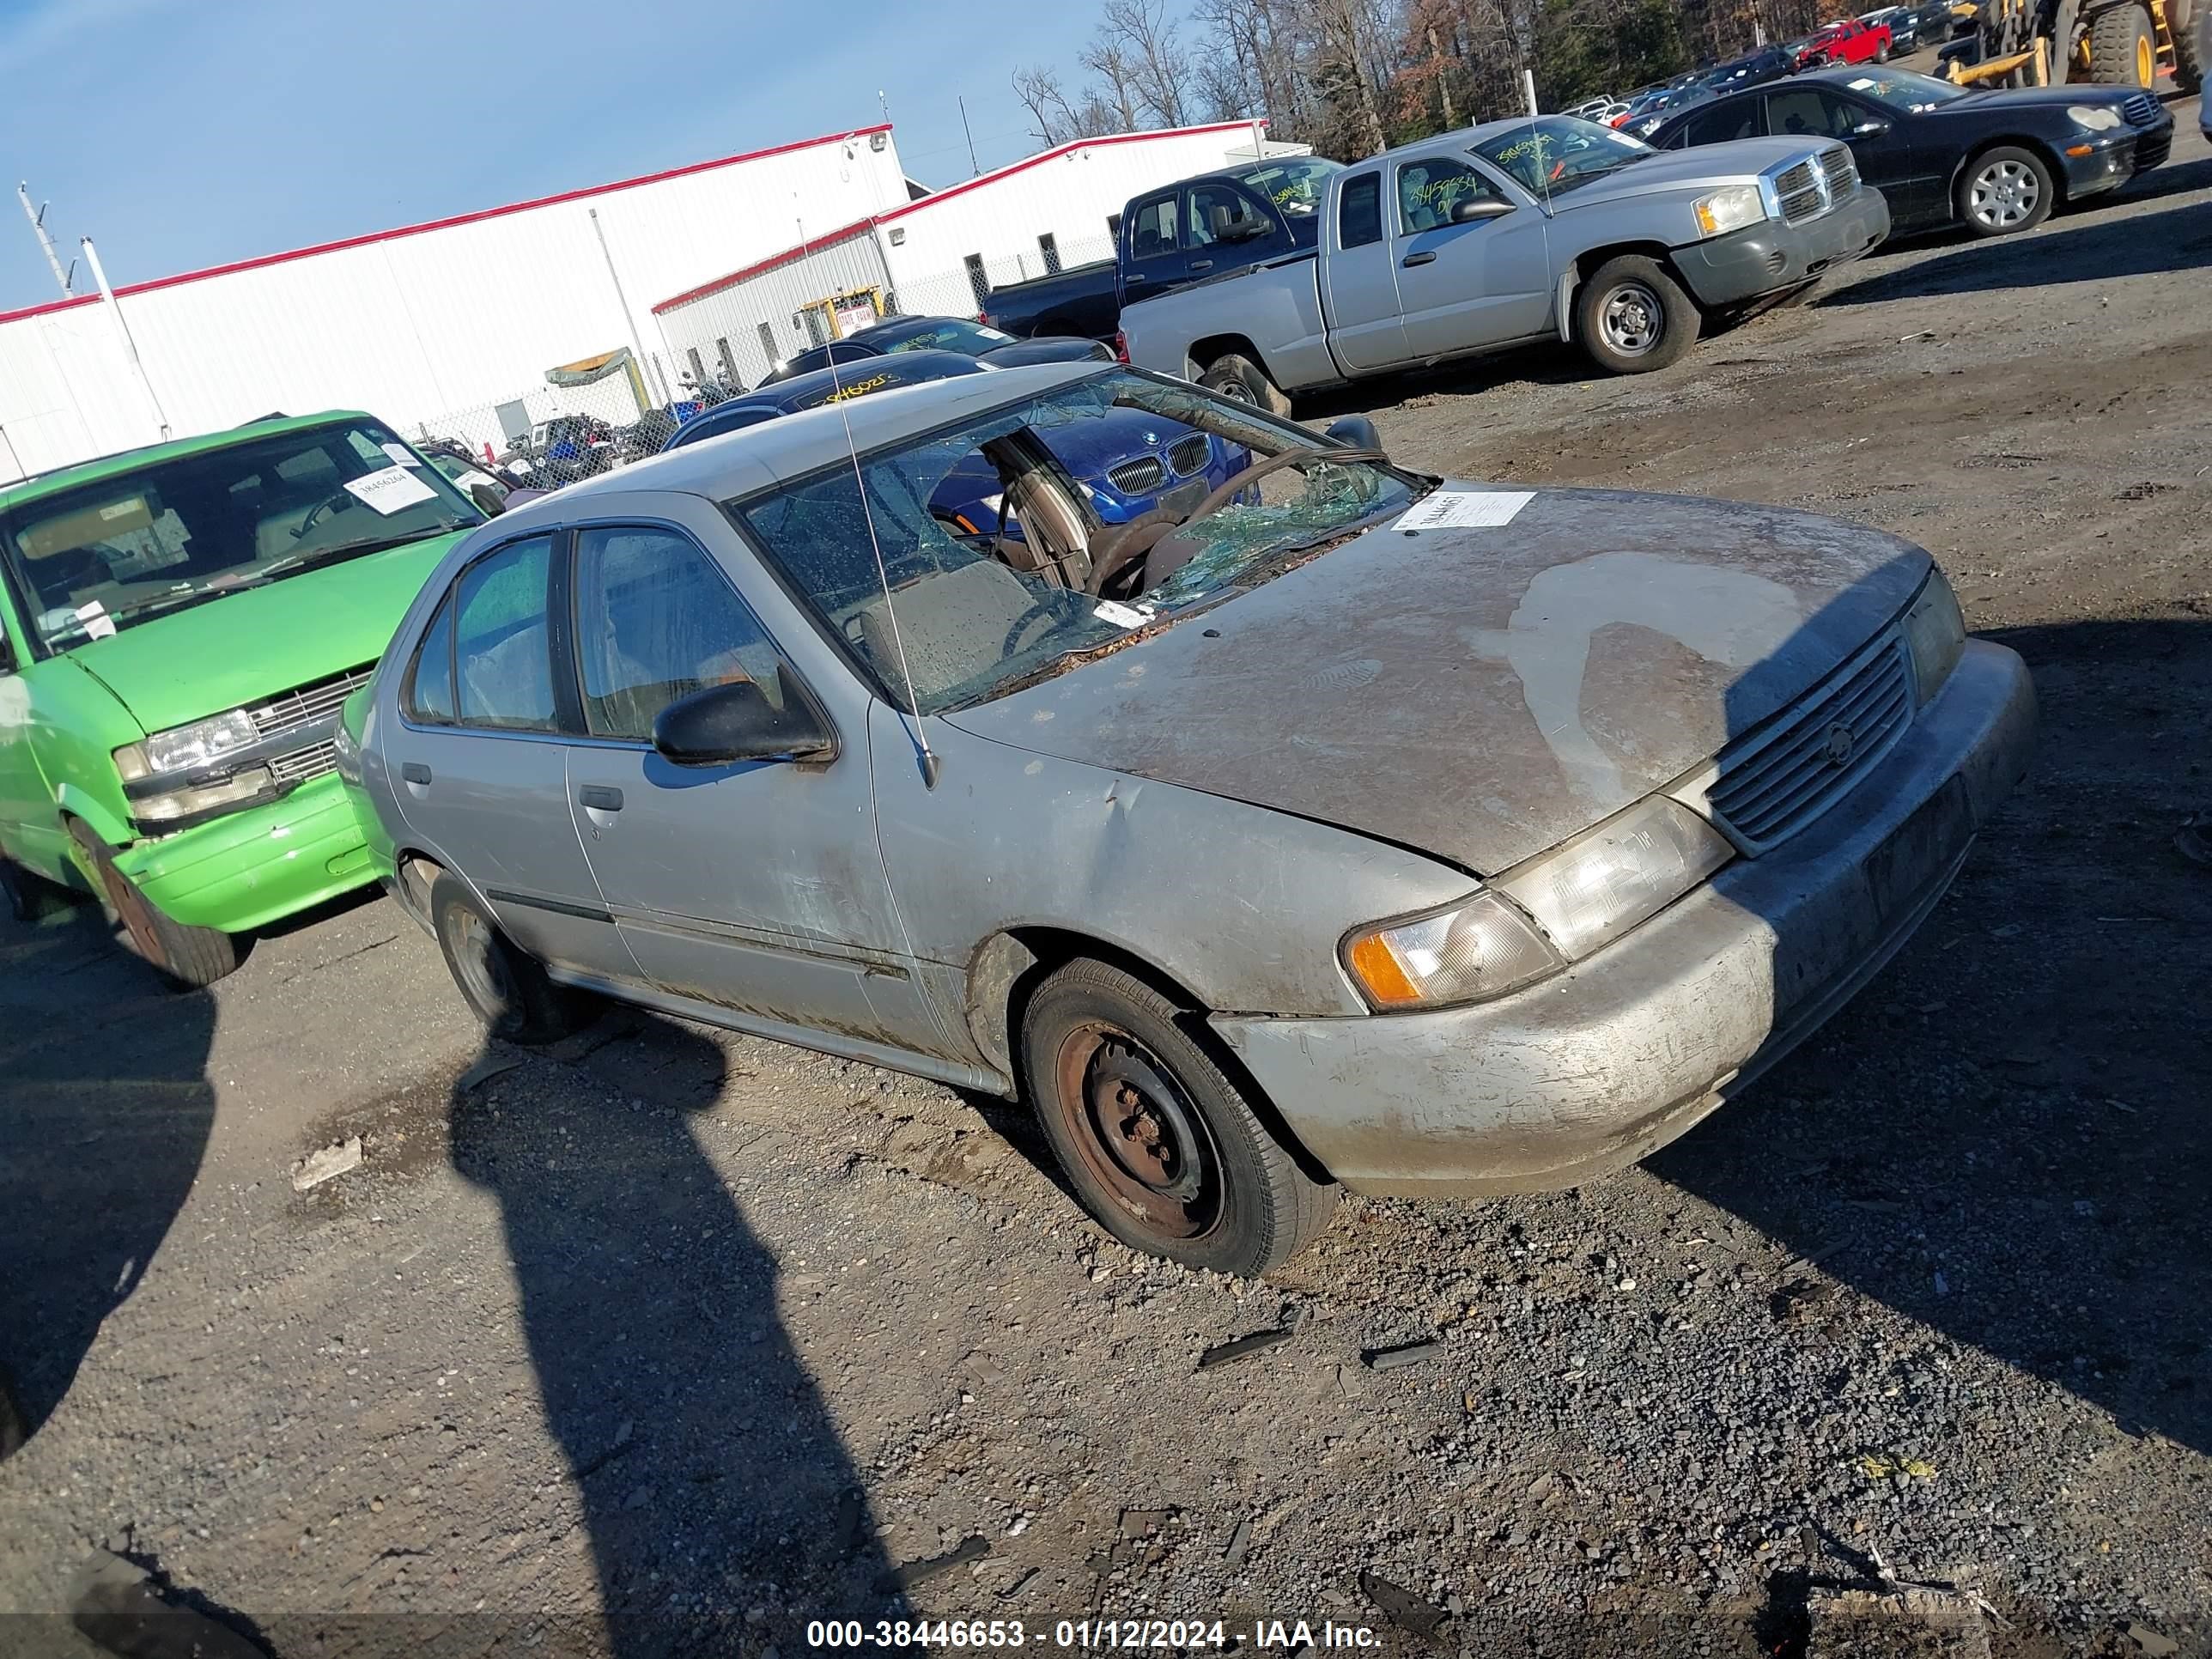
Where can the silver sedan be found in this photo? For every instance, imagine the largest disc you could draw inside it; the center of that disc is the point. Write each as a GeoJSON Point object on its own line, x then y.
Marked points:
{"type": "Point", "coordinates": [1336, 826]}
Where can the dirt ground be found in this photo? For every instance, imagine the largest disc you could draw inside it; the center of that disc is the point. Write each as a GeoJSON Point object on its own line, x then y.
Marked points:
{"type": "Point", "coordinates": [669, 1341]}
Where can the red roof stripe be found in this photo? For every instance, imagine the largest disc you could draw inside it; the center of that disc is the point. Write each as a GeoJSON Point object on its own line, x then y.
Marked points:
{"type": "Point", "coordinates": [482, 214]}
{"type": "Point", "coordinates": [945, 195]}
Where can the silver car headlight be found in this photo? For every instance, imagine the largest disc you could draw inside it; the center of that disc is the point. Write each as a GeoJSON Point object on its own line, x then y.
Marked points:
{"type": "Point", "coordinates": [2091, 118]}
{"type": "Point", "coordinates": [1729, 209]}
{"type": "Point", "coordinates": [1935, 632]}
{"type": "Point", "coordinates": [1582, 894]}
{"type": "Point", "coordinates": [1590, 890]}
{"type": "Point", "coordinates": [186, 748]}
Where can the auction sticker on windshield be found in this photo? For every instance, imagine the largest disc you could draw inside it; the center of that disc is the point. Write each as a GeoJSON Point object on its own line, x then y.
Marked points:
{"type": "Point", "coordinates": [1464, 509]}
{"type": "Point", "coordinates": [390, 489]}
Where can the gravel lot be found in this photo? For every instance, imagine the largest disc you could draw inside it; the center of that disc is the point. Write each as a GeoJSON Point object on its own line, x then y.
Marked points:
{"type": "Point", "coordinates": [669, 1340]}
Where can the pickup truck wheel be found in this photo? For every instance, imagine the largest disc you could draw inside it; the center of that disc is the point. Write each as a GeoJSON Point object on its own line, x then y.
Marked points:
{"type": "Point", "coordinates": [504, 986]}
{"type": "Point", "coordinates": [1632, 317]}
{"type": "Point", "coordinates": [188, 958]}
{"type": "Point", "coordinates": [1161, 1147]}
{"type": "Point", "coordinates": [1881, 52]}
{"type": "Point", "coordinates": [2005, 190]}
{"type": "Point", "coordinates": [1241, 381]}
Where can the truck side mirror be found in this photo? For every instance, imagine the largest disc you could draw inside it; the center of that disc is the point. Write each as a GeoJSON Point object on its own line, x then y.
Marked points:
{"type": "Point", "coordinates": [1469, 209]}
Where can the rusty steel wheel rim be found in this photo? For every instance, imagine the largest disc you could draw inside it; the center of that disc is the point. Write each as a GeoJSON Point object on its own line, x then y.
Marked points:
{"type": "Point", "coordinates": [477, 958]}
{"type": "Point", "coordinates": [129, 906]}
{"type": "Point", "coordinates": [1137, 1132]}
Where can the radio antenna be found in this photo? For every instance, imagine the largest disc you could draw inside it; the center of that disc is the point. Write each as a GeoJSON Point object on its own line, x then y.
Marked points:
{"type": "Point", "coordinates": [883, 573]}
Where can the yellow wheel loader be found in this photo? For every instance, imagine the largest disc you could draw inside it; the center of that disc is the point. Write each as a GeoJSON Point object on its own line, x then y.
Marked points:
{"type": "Point", "coordinates": [2113, 43]}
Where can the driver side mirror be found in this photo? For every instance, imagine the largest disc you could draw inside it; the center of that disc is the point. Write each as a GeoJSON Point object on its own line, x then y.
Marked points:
{"type": "Point", "coordinates": [1354, 432]}
{"type": "Point", "coordinates": [1469, 209]}
{"type": "Point", "coordinates": [722, 725]}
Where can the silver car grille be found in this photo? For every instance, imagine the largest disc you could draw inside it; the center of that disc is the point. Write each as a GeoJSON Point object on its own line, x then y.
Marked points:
{"type": "Point", "coordinates": [1139, 477]}
{"type": "Point", "coordinates": [1802, 197]}
{"type": "Point", "coordinates": [1190, 455]}
{"type": "Point", "coordinates": [310, 711]}
{"type": "Point", "coordinates": [1774, 781]}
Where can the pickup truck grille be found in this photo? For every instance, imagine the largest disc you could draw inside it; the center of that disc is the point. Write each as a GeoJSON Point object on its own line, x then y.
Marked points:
{"type": "Point", "coordinates": [1775, 782]}
{"type": "Point", "coordinates": [1139, 477]}
{"type": "Point", "coordinates": [1842, 172]}
{"type": "Point", "coordinates": [1799, 188]}
{"type": "Point", "coordinates": [311, 711]}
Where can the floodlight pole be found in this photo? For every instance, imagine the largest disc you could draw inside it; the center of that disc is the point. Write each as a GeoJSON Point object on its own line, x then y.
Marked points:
{"type": "Point", "coordinates": [130, 345]}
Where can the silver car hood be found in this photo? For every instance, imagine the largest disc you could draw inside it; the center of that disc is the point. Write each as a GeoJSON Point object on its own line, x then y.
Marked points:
{"type": "Point", "coordinates": [1701, 165]}
{"type": "Point", "coordinates": [1481, 695]}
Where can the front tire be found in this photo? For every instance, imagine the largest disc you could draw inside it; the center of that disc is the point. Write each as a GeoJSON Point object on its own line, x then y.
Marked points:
{"type": "Point", "coordinates": [2004, 191]}
{"type": "Point", "coordinates": [189, 958]}
{"type": "Point", "coordinates": [1632, 317]}
{"type": "Point", "coordinates": [504, 986]}
{"type": "Point", "coordinates": [2123, 52]}
{"type": "Point", "coordinates": [1239, 377]}
{"type": "Point", "coordinates": [1163, 1149]}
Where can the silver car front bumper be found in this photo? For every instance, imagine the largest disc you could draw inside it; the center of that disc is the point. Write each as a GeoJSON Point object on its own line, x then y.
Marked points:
{"type": "Point", "coordinates": [1597, 1067]}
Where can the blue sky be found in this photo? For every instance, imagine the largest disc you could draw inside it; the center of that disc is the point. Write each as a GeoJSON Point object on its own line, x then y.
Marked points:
{"type": "Point", "coordinates": [182, 133]}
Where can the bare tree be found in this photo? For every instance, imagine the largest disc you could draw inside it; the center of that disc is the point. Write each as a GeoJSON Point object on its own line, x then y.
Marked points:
{"type": "Point", "coordinates": [1159, 67]}
{"type": "Point", "coordinates": [1105, 58]}
{"type": "Point", "coordinates": [1039, 89]}
{"type": "Point", "coordinates": [1346, 36]}
{"type": "Point", "coordinates": [1094, 116]}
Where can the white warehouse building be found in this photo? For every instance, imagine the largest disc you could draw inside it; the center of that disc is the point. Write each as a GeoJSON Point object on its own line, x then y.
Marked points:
{"type": "Point", "coordinates": [447, 328]}
{"type": "Point", "coordinates": [938, 255]}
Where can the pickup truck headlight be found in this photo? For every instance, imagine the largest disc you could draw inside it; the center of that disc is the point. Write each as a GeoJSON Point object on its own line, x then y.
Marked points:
{"type": "Point", "coordinates": [185, 747]}
{"type": "Point", "coordinates": [1935, 631]}
{"type": "Point", "coordinates": [1730, 208]}
{"type": "Point", "coordinates": [2091, 118]}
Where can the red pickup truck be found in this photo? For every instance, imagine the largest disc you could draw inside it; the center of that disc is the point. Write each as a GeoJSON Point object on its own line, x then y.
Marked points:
{"type": "Point", "coordinates": [1848, 42]}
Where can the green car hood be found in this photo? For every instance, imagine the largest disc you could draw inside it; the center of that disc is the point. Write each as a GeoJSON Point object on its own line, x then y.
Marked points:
{"type": "Point", "coordinates": [253, 643]}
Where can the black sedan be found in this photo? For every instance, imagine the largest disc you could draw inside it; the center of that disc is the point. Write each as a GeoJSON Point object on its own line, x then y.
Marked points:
{"type": "Point", "coordinates": [1994, 161]}
{"type": "Point", "coordinates": [1754, 69]}
{"type": "Point", "coordinates": [969, 339]}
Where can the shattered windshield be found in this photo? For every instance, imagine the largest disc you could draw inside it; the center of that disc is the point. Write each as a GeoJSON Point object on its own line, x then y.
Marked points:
{"type": "Point", "coordinates": [970, 561]}
{"type": "Point", "coordinates": [1552, 154]}
{"type": "Point", "coordinates": [104, 558]}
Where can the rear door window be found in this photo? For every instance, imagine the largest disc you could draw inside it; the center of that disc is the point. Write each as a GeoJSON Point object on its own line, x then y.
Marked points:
{"type": "Point", "coordinates": [429, 695]}
{"type": "Point", "coordinates": [1359, 211]}
{"type": "Point", "coordinates": [1152, 230]}
{"type": "Point", "coordinates": [503, 654]}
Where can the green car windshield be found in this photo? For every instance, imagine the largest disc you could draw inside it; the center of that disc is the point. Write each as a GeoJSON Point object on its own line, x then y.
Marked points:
{"type": "Point", "coordinates": [884, 552]}
{"type": "Point", "coordinates": [92, 561]}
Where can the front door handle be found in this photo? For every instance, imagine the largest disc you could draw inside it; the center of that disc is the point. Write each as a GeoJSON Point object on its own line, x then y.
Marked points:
{"type": "Point", "coordinates": [414, 772]}
{"type": "Point", "coordinates": [1412, 260]}
{"type": "Point", "coordinates": [1202, 265]}
{"type": "Point", "coordinates": [599, 798]}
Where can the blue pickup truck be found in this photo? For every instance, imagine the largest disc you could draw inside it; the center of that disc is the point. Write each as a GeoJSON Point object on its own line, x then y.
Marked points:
{"type": "Point", "coordinates": [1178, 233]}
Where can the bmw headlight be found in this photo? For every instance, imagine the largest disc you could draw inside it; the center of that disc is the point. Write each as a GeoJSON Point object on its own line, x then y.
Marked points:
{"type": "Point", "coordinates": [2092, 118]}
{"type": "Point", "coordinates": [187, 748]}
{"type": "Point", "coordinates": [1730, 208]}
{"type": "Point", "coordinates": [1935, 632]}
{"type": "Point", "coordinates": [1555, 910]}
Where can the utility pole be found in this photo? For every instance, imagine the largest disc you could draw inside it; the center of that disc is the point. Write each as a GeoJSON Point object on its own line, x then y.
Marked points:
{"type": "Point", "coordinates": [977, 171]}
{"type": "Point", "coordinates": [645, 364]}
{"type": "Point", "coordinates": [130, 345]}
{"type": "Point", "coordinates": [37, 218]}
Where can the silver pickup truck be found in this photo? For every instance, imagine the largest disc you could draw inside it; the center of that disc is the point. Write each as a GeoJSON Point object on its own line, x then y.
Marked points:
{"type": "Point", "coordinates": [1508, 232]}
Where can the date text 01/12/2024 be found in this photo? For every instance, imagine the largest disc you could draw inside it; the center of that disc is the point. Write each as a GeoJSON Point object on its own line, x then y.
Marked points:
{"type": "Point", "coordinates": [1283, 1635]}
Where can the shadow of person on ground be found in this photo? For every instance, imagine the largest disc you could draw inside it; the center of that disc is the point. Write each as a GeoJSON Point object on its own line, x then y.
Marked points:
{"type": "Point", "coordinates": [105, 1113]}
{"type": "Point", "coordinates": [712, 1479]}
{"type": "Point", "coordinates": [2005, 1136]}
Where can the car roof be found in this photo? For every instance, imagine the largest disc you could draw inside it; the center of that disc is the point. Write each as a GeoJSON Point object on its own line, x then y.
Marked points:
{"type": "Point", "coordinates": [803, 390]}
{"type": "Point", "coordinates": [131, 460]}
{"type": "Point", "coordinates": [753, 457]}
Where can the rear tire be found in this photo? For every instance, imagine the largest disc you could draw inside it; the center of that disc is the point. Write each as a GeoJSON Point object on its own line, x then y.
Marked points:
{"type": "Point", "coordinates": [505, 987]}
{"type": "Point", "coordinates": [1632, 317]}
{"type": "Point", "coordinates": [1163, 1149]}
{"type": "Point", "coordinates": [1881, 53]}
{"type": "Point", "coordinates": [2187, 63]}
{"type": "Point", "coordinates": [2121, 45]}
{"type": "Point", "coordinates": [188, 958]}
{"type": "Point", "coordinates": [2004, 191]}
{"type": "Point", "coordinates": [1239, 377]}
